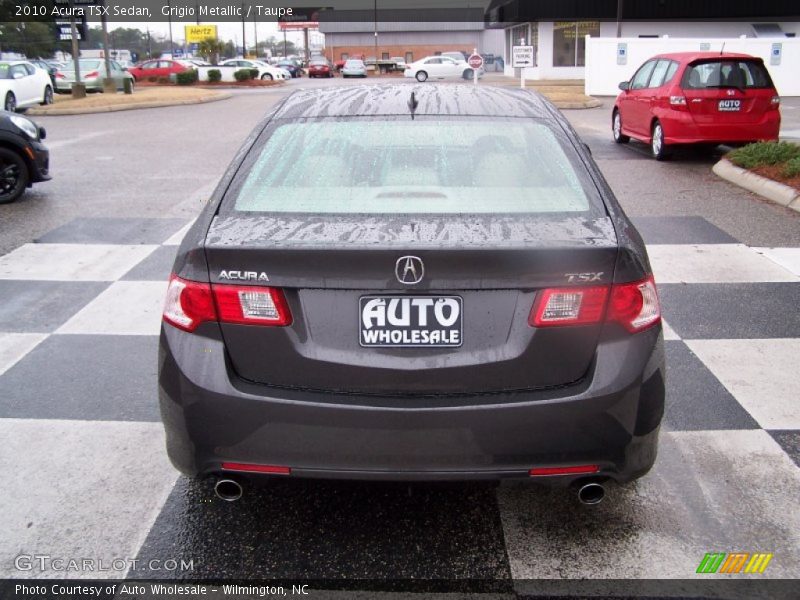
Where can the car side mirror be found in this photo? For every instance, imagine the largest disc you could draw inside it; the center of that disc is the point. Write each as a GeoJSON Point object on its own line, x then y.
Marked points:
{"type": "Point", "coordinates": [625, 86]}
{"type": "Point", "coordinates": [42, 133]}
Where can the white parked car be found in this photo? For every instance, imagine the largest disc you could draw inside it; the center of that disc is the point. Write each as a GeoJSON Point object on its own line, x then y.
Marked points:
{"type": "Point", "coordinates": [23, 85]}
{"type": "Point", "coordinates": [265, 71]}
{"type": "Point", "coordinates": [438, 67]}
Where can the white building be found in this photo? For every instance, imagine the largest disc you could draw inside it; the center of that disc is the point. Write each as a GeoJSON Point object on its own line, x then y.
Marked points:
{"type": "Point", "coordinates": [557, 30]}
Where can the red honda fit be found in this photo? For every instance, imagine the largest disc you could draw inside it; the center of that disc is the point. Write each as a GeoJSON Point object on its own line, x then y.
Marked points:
{"type": "Point", "coordinates": [697, 97]}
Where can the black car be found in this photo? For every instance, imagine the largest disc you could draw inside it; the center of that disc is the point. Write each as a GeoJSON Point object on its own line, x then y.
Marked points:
{"type": "Point", "coordinates": [414, 283]}
{"type": "Point", "coordinates": [294, 69]}
{"type": "Point", "coordinates": [24, 159]}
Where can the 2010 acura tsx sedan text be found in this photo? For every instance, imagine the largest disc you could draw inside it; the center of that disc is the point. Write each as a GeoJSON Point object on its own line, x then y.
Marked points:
{"type": "Point", "coordinates": [413, 282]}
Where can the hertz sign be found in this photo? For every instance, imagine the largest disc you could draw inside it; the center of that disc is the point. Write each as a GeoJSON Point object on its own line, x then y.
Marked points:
{"type": "Point", "coordinates": [197, 33]}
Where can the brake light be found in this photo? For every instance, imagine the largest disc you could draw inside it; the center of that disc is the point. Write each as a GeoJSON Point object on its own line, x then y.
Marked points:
{"type": "Point", "coordinates": [190, 303]}
{"type": "Point", "coordinates": [251, 305]}
{"type": "Point", "coordinates": [568, 306]}
{"type": "Point", "coordinates": [60, 75]}
{"type": "Point", "coordinates": [775, 102]}
{"type": "Point", "coordinates": [91, 75]}
{"type": "Point", "coordinates": [634, 305]}
{"type": "Point", "coordinates": [251, 468]}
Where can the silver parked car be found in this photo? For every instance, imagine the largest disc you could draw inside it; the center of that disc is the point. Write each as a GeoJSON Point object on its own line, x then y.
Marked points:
{"type": "Point", "coordinates": [354, 68]}
{"type": "Point", "coordinates": [92, 71]}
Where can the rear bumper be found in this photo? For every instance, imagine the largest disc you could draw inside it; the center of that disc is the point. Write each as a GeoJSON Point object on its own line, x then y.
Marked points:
{"type": "Point", "coordinates": [610, 419]}
{"type": "Point", "coordinates": [681, 128]}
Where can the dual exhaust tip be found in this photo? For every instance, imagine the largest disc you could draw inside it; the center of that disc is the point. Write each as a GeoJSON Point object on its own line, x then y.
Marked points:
{"type": "Point", "coordinates": [230, 490]}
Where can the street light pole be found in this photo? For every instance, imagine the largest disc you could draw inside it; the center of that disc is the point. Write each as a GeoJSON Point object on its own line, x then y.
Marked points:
{"type": "Point", "coordinates": [169, 7]}
{"type": "Point", "coordinates": [375, 23]}
{"type": "Point", "coordinates": [244, 43]}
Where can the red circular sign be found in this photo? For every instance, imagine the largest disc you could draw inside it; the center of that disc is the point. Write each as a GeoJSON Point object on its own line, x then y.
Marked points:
{"type": "Point", "coordinates": [475, 61]}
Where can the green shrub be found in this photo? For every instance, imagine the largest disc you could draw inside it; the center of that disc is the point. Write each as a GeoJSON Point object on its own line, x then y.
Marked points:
{"type": "Point", "coordinates": [214, 75]}
{"type": "Point", "coordinates": [792, 167]}
{"type": "Point", "coordinates": [186, 77]}
{"type": "Point", "coordinates": [763, 153]}
{"type": "Point", "coordinates": [241, 75]}
{"type": "Point", "coordinates": [163, 80]}
{"type": "Point", "coordinates": [253, 73]}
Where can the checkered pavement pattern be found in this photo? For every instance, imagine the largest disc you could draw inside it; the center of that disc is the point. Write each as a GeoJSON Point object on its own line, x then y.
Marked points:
{"type": "Point", "coordinates": [86, 473]}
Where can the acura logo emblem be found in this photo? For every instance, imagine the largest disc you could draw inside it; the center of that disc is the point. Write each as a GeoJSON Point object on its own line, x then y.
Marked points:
{"type": "Point", "coordinates": [409, 270]}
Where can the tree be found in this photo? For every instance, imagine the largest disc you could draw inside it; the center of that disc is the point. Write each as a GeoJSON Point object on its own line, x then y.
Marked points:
{"type": "Point", "coordinates": [210, 48]}
{"type": "Point", "coordinates": [34, 39]}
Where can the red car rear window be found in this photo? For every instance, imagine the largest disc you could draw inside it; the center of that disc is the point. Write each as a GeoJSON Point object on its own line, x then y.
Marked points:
{"type": "Point", "coordinates": [740, 74]}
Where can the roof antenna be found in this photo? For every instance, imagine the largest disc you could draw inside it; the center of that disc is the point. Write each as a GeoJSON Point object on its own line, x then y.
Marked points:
{"type": "Point", "coordinates": [721, 50]}
{"type": "Point", "coordinates": [413, 103]}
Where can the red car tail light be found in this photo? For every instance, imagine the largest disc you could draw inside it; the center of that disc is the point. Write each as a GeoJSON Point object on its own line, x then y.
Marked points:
{"type": "Point", "coordinates": [677, 102]}
{"type": "Point", "coordinates": [775, 102]}
{"type": "Point", "coordinates": [60, 75]}
{"type": "Point", "coordinates": [250, 468]}
{"type": "Point", "coordinates": [190, 303]}
{"type": "Point", "coordinates": [634, 305]}
{"type": "Point", "coordinates": [569, 306]}
{"type": "Point", "coordinates": [92, 75]}
{"type": "Point", "coordinates": [251, 305]}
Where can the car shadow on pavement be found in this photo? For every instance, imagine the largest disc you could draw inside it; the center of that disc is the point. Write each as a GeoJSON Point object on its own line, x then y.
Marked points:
{"type": "Point", "coordinates": [327, 530]}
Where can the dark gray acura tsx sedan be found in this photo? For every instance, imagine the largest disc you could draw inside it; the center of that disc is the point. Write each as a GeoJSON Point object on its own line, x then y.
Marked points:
{"type": "Point", "coordinates": [413, 282]}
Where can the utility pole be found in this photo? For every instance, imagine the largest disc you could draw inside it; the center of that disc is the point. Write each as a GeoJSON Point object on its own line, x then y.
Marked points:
{"type": "Point", "coordinates": [244, 42]}
{"type": "Point", "coordinates": [284, 42]}
{"type": "Point", "coordinates": [375, 23]}
{"type": "Point", "coordinates": [78, 89]}
{"type": "Point", "coordinates": [169, 6]}
{"type": "Point", "coordinates": [620, 4]}
{"type": "Point", "coordinates": [109, 85]}
{"type": "Point", "coordinates": [255, 32]}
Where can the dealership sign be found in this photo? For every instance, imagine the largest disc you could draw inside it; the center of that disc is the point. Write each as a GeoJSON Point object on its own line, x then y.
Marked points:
{"type": "Point", "coordinates": [197, 33]}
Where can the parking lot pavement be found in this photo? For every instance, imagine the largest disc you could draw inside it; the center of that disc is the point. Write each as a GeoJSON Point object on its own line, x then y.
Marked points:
{"type": "Point", "coordinates": [86, 474]}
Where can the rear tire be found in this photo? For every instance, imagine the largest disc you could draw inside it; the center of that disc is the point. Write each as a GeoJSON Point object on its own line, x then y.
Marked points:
{"type": "Point", "coordinates": [14, 176]}
{"type": "Point", "coordinates": [266, 77]}
{"type": "Point", "coordinates": [467, 74]}
{"type": "Point", "coordinates": [658, 148]}
{"type": "Point", "coordinates": [48, 96]}
{"type": "Point", "coordinates": [421, 76]}
{"type": "Point", "coordinates": [616, 129]}
{"type": "Point", "coordinates": [10, 103]}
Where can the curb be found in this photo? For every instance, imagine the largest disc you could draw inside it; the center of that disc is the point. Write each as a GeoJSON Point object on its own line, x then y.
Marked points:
{"type": "Point", "coordinates": [766, 188]}
{"type": "Point", "coordinates": [593, 103]}
{"type": "Point", "coordinates": [42, 112]}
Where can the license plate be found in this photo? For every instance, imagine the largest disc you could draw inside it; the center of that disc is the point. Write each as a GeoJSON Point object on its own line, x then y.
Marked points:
{"type": "Point", "coordinates": [730, 105]}
{"type": "Point", "coordinates": [411, 321]}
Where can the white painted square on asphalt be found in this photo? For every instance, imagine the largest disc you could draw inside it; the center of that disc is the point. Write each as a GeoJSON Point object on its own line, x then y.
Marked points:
{"type": "Point", "coordinates": [72, 262]}
{"type": "Point", "coordinates": [669, 332]}
{"type": "Point", "coordinates": [761, 374]}
{"type": "Point", "coordinates": [788, 258]}
{"type": "Point", "coordinates": [714, 263]}
{"type": "Point", "coordinates": [124, 308]}
{"type": "Point", "coordinates": [14, 346]}
{"type": "Point", "coordinates": [76, 489]}
{"type": "Point", "coordinates": [710, 491]}
{"type": "Point", "coordinates": [176, 238]}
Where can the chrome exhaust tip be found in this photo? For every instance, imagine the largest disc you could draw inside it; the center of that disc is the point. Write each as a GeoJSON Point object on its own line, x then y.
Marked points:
{"type": "Point", "coordinates": [591, 493]}
{"type": "Point", "coordinates": [228, 490]}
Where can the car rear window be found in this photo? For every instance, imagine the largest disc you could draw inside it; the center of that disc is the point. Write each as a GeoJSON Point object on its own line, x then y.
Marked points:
{"type": "Point", "coordinates": [426, 165]}
{"type": "Point", "coordinates": [726, 73]}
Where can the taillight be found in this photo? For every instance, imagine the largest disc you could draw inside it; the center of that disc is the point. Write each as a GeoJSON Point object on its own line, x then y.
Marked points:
{"type": "Point", "coordinates": [775, 102]}
{"type": "Point", "coordinates": [60, 75]}
{"type": "Point", "coordinates": [251, 305]}
{"type": "Point", "coordinates": [677, 102]}
{"type": "Point", "coordinates": [569, 306]}
{"type": "Point", "coordinates": [634, 305]}
{"type": "Point", "coordinates": [190, 303]}
{"type": "Point", "coordinates": [91, 75]}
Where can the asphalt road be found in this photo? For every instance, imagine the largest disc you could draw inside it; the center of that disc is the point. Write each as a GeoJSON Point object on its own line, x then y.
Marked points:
{"type": "Point", "coordinates": [86, 472]}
